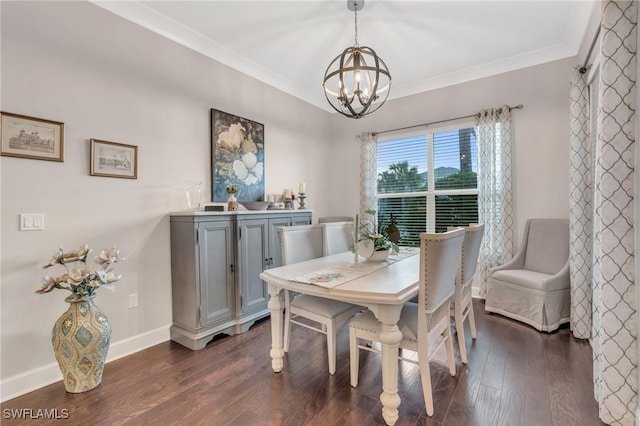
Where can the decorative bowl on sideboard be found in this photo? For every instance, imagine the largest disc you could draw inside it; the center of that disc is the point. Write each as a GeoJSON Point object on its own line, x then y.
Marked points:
{"type": "Point", "coordinates": [255, 205]}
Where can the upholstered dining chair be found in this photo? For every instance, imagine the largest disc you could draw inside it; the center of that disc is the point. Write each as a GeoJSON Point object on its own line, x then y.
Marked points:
{"type": "Point", "coordinates": [338, 237]}
{"type": "Point", "coordinates": [300, 243]}
{"type": "Point", "coordinates": [534, 286]}
{"type": "Point", "coordinates": [462, 300]}
{"type": "Point", "coordinates": [425, 325]}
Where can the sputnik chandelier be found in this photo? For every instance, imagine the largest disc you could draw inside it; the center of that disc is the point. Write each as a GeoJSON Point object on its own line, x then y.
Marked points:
{"type": "Point", "coordinates": [357, 81]}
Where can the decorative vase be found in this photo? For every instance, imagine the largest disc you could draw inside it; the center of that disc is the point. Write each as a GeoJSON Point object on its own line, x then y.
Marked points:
{"type": "Point", "coordinates": [80, 339]}
{"type": "Point", "coordinates": [232, 203]}
{"type": "Point", "coordinates": [379, 256]}
{"type": "Point", "coordinates": [193, 191]}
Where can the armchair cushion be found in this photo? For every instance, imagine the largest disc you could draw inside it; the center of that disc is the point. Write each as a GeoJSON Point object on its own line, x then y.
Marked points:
{"type": "Point", "coordinates": [522, 277]}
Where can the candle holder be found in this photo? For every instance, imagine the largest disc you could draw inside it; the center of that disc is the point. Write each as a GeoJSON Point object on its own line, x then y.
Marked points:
{"type": "Point", "coordinates": [356, 257]}
{"type": "Point", "coordinates": [301, 197]}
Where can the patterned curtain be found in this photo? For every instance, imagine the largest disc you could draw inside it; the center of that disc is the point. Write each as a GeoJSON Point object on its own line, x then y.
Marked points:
{"type": "Point", "coordinates": [616, 357]}
{"type": "Point", "coordinates": [580, 206]}
{"type": "Point", "coordinates": [495, 206]}
{"type": "Point", "coordinates": [368, 172]}
{"type": "Point", "coordinates": [602, 176]}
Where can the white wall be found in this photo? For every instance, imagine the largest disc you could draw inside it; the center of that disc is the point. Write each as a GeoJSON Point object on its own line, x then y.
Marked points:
{"type": "Point", "coordinates": [109, 79]}
{"type": "Point", "coordinates": [541, 151]}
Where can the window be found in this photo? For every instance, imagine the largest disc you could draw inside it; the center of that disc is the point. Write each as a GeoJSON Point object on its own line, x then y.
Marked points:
{"type": "Point", "coordinates": [427, 182]}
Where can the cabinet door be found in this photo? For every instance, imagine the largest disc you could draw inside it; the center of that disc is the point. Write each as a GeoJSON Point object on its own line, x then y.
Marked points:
{"type": "Point", "coordinates": [217, 295]}
{"type": "Point", "coordinates": [299, 219]}
{"type": "Point", "coordinates": [275, 250]}
{"type": "Point", "coordinates": [254, 256]}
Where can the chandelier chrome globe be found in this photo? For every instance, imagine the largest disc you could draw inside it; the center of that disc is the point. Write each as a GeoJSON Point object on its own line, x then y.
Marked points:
{"type": "Point", "coordinates": [357, 82]}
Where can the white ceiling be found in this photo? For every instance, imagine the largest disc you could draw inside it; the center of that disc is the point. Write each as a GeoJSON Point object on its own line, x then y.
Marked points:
{"type": "Point", "coordinates": [426, 44]}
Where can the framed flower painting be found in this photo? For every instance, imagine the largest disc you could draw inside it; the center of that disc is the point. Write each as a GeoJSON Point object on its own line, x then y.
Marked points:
{"type": "Point", "coordinates": [237, 156]}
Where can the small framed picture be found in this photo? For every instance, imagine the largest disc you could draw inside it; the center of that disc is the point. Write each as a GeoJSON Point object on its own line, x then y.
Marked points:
{"type": "Point", "coordinates": [30, 137]}
{"type": "Point", "coordinates": [114, 159]}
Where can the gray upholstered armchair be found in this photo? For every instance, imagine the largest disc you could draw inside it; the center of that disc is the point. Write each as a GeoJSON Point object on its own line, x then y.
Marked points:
{"type": "Point", "coordinates": [534, 286]}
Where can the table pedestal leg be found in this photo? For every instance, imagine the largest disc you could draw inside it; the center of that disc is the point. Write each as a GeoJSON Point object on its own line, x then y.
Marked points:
{"type": "Point", "coordinates": [276, 306]}
{"type": "Point", "coordinates": [390, 337]}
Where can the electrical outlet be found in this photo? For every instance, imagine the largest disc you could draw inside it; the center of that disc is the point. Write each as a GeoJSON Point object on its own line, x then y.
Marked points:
{"type": "Point", "coordinates": [133, 300]}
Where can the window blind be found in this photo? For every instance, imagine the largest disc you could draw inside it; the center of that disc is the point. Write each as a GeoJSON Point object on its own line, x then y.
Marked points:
{"type": "Point", "coordinates": [428, 182]}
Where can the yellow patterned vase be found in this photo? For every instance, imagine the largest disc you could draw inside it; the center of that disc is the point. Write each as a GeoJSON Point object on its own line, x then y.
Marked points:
{"type": "Point", "coordinates": [80, 339]}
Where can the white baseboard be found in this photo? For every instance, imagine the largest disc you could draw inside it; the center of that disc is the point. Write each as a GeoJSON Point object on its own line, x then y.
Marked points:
{"type": "Point", "coordinates": [42, 376]}
{"type": "Point", "coordinates": [137, 343]}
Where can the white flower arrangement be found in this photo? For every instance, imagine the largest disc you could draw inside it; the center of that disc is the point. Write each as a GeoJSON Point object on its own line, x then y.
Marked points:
{"type": "Point", "coordinates": [82, 282]}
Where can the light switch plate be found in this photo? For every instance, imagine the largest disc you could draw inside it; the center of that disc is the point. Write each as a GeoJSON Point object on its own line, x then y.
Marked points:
{"type": "Point", "coordinates": [31, 221]}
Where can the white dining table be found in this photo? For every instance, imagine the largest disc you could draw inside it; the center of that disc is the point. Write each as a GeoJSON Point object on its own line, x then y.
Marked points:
{"type": "Point", "coordinates": [383, 288]}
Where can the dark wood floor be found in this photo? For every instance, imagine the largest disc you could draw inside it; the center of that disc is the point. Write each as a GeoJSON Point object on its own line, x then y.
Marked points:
{"type": "Point", "coordinates": [515, 376]}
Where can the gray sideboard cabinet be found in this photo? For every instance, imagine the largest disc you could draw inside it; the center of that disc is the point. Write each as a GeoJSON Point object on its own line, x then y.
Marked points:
{"type": "Point", "coordinates": [216, 259]}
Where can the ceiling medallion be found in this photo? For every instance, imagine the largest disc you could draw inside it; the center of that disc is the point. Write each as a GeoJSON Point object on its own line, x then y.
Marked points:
{"type": "Point", "coordinates": [357, 82]}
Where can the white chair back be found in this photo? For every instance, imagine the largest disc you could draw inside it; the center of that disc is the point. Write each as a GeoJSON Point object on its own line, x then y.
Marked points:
{"type": "Point", "coordinates": [470, 250]}
{"type": "Point", "coordinates": [301, 242]}
{"type": "Point", "coordinates": [329, 219]}
{"type": "Point", "coordinates": [338, 237]}
{"type": "Point", "coordinates": [439, 262]}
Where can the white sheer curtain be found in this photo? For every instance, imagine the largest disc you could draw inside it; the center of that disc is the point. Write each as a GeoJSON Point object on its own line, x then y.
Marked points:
{"type": "Point", "coordinates": [368, 171]}
{"type": "Point", "coordinates": [495, 206]}
{"type": "Point", "coordinates": [604, 271]}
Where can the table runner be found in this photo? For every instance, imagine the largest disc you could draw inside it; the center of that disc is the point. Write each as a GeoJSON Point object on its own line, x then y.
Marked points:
{"type": "Point", "coordinates": [348, 271]}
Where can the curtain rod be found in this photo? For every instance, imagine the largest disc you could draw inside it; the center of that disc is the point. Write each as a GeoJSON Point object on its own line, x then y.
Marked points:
{"type": "Point", "coordinates": [584, 68]}
{"type": "Point", "coordinates": [437, 122]}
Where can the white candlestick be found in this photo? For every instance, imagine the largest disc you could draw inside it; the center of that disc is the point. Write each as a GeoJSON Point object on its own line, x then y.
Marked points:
{"type": "Point", "coordinates": [355, 240]}
{"type": "Point", "coordinates": [302, 187]}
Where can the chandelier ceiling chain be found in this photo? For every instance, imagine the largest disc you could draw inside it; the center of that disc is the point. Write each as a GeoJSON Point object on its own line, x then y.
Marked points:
{"type": "Point", "coordinates": [355, 23]}
{"type": "Point", "coordinates": [357, 82]}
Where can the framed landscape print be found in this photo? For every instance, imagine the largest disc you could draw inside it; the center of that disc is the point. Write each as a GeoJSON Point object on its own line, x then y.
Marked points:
{"type": "Point", "coordinates": [112, 159]}
{"type": "Point", "coordinates": [30, 137]}
{"type": "Point", "coordinates": [237, 156]}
